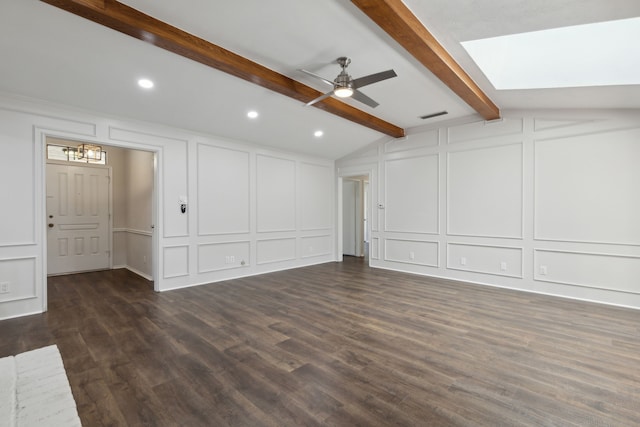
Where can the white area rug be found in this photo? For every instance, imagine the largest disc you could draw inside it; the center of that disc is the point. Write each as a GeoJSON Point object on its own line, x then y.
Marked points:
{"type": "Point", "coordinates": [35, 391]}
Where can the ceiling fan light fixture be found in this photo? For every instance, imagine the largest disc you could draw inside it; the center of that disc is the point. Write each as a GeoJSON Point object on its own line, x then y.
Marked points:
{"type": "Point", "coordinates": [343, 92]}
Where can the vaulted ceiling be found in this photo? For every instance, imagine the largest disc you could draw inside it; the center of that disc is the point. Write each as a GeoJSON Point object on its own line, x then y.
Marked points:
{"type": "Point", "coordinates": [51, 54]}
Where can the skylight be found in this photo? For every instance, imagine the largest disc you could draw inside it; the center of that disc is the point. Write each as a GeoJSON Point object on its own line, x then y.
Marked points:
{"type": "Point", "coordinates": [600, 54]}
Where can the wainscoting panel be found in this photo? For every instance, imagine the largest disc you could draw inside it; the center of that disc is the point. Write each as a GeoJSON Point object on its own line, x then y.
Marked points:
{"type": "Point", "coordinates": [412, 142]}
{"type": "Point", "coordinates": [18, 278]}
{"type": "Point", "coordinates": [412, 252]}
{"type": "Point", "coordinates": [485, 192]}
{"type": "Point", "coordinates": [411, 195]}
{"type": "Point", "coordinates": [275, 250]}
{"type": "Point", "coordinates": [316, 188]}
{"type": "Point", "coordinates": [602, 271]}
{"type": "Point", "coordinates": [587, 188]}
{"type": "Point", "coordinates": [497, 260]}
{"type": "Point", "coordinates": [223, 190]}
{"type": "Point", "coordinates": [18, 178]}
{"type": "Point", "coordinates": [313, 246]}
{"type": "Point", "coordinates": [483, 130]}
{"type": "Point", "coordinates": [276, 194]}
{"type": "Point", "coordinates": [223, 256]}
{"type": "Point", "coordinates": [175, 261]}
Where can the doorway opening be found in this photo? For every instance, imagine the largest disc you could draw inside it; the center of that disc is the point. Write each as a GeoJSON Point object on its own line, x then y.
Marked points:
{"type": "Point", "coordinates": [355, 216]}
{"type": "Point", "coordinates": [100, 214]}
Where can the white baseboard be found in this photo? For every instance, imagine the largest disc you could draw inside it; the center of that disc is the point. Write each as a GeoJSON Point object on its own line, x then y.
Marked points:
{"type": "Point", "coordinates": [135, 271]}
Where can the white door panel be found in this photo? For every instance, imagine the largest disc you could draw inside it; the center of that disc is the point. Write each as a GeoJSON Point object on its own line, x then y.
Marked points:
{"type": "Point", "coordinates": [77, 219]}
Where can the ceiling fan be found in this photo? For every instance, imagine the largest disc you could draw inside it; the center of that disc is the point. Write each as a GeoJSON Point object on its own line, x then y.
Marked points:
{"type": "Point", "coordinates": [345, 86]}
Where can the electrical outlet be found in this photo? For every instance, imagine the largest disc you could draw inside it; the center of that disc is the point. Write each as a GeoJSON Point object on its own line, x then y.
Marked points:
{"type": "Point", "coordinates": [503, 266]}
{"type": "Point", "coordinates": [463, 260]}
{"type": "Point", "coordinates": [543, 270]}
{"type": "Point", "coordinates": [4, 288]}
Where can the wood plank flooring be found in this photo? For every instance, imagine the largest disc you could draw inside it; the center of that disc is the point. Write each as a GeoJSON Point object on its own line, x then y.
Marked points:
{"type": "Point", "coordinates": [337, 344]}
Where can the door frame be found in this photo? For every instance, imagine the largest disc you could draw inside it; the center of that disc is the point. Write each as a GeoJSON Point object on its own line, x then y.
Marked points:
{"type": "Point", "coordinates": [40, 152]}
{"type": "Point", "coordinates": [359, 171]}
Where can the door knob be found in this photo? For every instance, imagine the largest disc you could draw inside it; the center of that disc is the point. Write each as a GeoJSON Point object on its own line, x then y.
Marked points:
{"type": "Point", "coordinates": [50, 225]}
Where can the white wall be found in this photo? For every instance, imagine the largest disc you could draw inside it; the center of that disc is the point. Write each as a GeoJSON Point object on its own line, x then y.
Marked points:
{"type": "Point", "coordinates": [132, 188]}
{"type": "Point", "coordinates": [542, 201]}
{"type": "Point", "coordinates": [250, 210]}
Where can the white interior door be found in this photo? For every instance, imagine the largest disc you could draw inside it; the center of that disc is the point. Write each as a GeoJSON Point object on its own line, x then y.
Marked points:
{"type": "Point", "coordinates": [349, 217]}
{"type": "Point", "coordinates": [77, 219]}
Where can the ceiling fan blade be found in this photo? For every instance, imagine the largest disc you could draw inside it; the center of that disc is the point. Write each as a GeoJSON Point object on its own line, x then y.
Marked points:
{"type": "Point", "coordinates": [329, 82]}
{"type": "Point", "coordinates": [373, 78]}
{"type": "Point", "coordinates": [320, 98]}
{"type": "Point", "coordinates": [359, 96]}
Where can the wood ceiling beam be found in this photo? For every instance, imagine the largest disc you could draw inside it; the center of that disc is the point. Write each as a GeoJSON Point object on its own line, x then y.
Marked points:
{"type": "Point", "coordinates": [394, 17]}
{"type": "Point", "coordinates": [120, 17]}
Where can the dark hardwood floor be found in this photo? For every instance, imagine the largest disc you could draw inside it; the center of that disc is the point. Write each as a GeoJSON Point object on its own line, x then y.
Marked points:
{"type": "Point", "coordinates": [335, 344]}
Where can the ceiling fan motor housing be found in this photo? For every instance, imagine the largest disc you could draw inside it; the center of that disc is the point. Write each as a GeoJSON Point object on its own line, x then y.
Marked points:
{"type": "Point", "coordinates": [343, 80]}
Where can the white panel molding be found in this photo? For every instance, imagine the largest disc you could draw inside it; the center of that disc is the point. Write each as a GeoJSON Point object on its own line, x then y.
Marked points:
{"type": "Point", "coordinates": [536, 209]}
{"type": "Point", "coordinates": [181, 268]}
{"type": "Point", "coordinates": [165, 203]}
{"type": "Point", "coordinates": [311, 232]}
{"type": "Point", "coordinates": [404, 261]}
{"type": "Point", "coordinates": [44, 119]}
{"type": "Point", "coordinates": [311, 252]}
{"type": "Point", "coordinates": [484, 129]}
{"type": "Point", "coordinates": [37, 160]}
{"type": "Point", "coordinates": [520, 235]}
{"type": "Point", "coordinates": [246, 244]}
{"type": "Point", "coordinates": [259, 229]}
{"type": "Point", "coordinates": [418, 141]}
{"type": "Point", "coordinates": [451, 266]}
{"type": "Point", "coordinates": [66, 128]}
{"type": "Point", "coordinates": [32, 291]}
{"type": "Point", "coordinates": [199, 185]}
{"type": "Point", "coordinates": [436, 201]}
{"type": "Point", "coordinates": [262, 246]}
{"type": "Point", "coordinates": [144, 139]}
{"type": "Point", "coordinates": [541, 124]}
{"type": "Point", "coordinates": [541, 277]}
{"type": "Point", "coordinates": [316, 223]}
{"type": "Point", "coordinates": [374, 248]}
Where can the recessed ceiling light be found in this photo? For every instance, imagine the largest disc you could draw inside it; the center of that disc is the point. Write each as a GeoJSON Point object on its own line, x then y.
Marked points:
{"type": "Point", "coordinates": [252, 114]}
{"type": "Point", "coordinates": [318, 133]}
{"type": "Point", "coordinates": [145, 83]}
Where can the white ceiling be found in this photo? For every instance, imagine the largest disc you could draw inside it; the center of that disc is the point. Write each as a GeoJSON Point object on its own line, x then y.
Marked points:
{"type": "Point", "coordinates": [50, 54]}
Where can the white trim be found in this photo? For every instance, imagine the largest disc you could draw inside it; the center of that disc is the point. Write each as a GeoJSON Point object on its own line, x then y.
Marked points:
{"type": "Point", "coordinates": [437, 243]}
{"type": "Point", "coordinates": [537, 276]}
{"type": "Point", "coordinates": [133, 231]}
{"type": "Point", "coordinates": [521, 249]}
{"type": "Point", "coordinates": [522, 189]}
